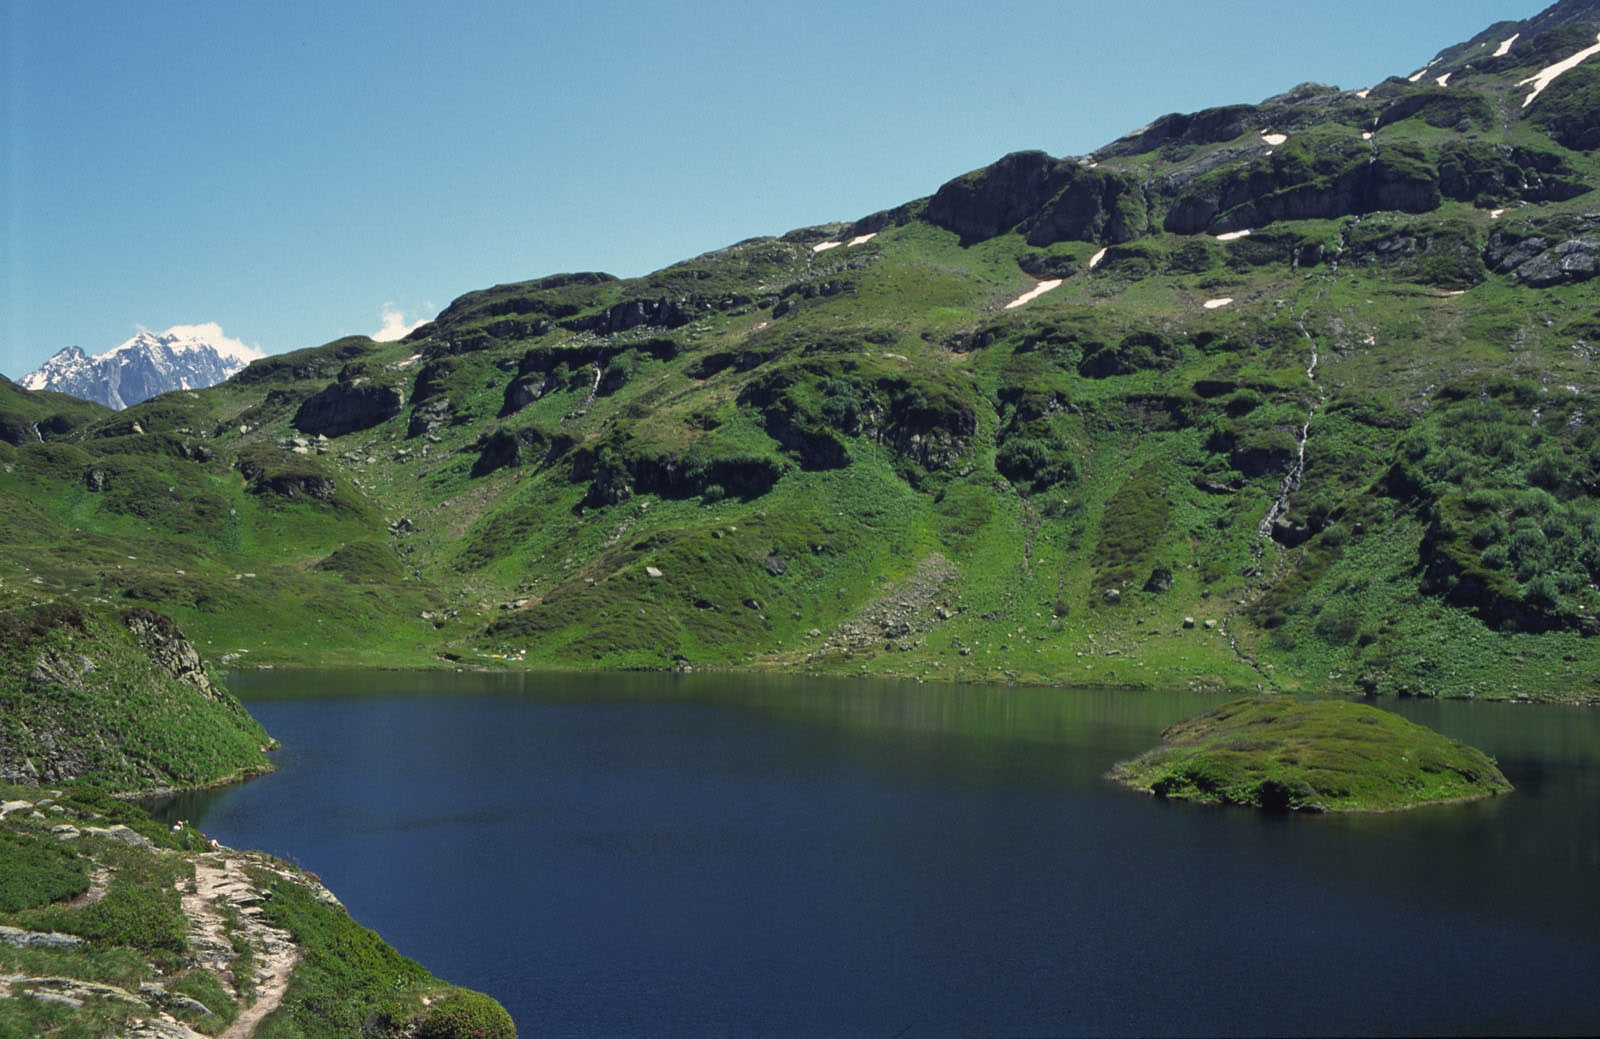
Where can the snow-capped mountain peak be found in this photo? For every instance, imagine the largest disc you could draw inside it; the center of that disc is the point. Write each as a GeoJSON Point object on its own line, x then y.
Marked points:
{"type": "Point", "coordinates": [184, 357]}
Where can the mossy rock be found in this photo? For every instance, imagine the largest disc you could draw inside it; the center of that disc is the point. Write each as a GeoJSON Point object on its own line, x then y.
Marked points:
{"type": "Point", "coordinates": [1327, 756]}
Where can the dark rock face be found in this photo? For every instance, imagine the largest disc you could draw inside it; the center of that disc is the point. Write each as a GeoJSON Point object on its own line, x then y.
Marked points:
{"type": "Point", "coordinates": [995, 199]}
{"type": "Point", "coordinates": [346, 407]}
{"type": "Point", "coordinates": [1211, 126]}
{"type": "Point", "coordinates": [1474, 172]}
{"type": "Point", "coordinates": [1055, 201]}
{"type": "Point", "coordinates": [1094, 207]}
{"type": "Point", "coordinates": [1348, 183]}
{"type": "Point", "coordinates": [506, 449]}
{"type": "Point", "coordinates": [636, 313]}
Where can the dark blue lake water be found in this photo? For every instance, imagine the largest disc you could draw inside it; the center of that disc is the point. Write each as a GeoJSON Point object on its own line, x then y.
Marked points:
{"type": "Point", "coordinates": [711, 855]}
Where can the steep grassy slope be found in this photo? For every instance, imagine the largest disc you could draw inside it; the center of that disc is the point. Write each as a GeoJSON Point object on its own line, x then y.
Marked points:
{"type": "Point", "coordinates": [1308, 408]}
{"type": "Point", "coordinates": [118, 695]}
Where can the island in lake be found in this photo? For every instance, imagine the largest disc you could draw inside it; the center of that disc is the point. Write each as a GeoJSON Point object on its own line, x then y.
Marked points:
{"type": "Point", "coordinates": [1326, 756]}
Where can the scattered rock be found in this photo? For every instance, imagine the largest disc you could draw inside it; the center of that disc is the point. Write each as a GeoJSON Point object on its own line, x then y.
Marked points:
{"type": "Point", "coordinates": [123, 834]}
{"type": "Point", "coordinates": [18, 938]}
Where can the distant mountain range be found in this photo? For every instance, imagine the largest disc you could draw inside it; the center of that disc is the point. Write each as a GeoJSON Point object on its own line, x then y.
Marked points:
{"type": "Point", "coordinates": [184, 357]}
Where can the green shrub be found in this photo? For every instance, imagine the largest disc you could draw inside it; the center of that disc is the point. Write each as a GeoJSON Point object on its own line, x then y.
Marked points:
{"type": "Point", "coordinates": [35, 871]}
{"type": "Point", "coordinates": [466, 1015]}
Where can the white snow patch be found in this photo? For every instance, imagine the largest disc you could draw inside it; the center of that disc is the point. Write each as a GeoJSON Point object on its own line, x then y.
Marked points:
{"type": "Point", "coordinates": [1094, 261]}
{"type": "Point", "coordinates": [1548, 74]}
{"type": "Point", "coordinates": [1362, 94]}
{"type": "Point", "coordinates": [1230, 236]}
{"type": "Point", "coordinates": [1505, 46]}
{"type": "Point", "coordinates": [1275, 139]}
{"type": "Point", "coordinates": [1457, 292]}
{"type": "Point", "coordinates": [1496, 214]}
{"type": "Point", "coordinates": [825, 246]}
{"type": "Point", "coordinates": [1213, 304]}
{"type": "Point", "coordinates": [1371, 340]}
{"type": "Point", "coordinates": [1417, 75]}
{"type": "Point", "coordinates": [1444, 80]}
{"type": "Point", "coordinates": [1366, 135]}
{"type": "Point", "coordinates": [1034, 293]}
{"type": "Point", "coordinates": [409, 361]}
{"type": "Point", "coordinates": [862, 239]}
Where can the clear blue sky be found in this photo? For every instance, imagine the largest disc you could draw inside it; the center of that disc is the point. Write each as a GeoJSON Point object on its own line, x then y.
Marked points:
{"type": "Point", "coordinates": [288, 169]}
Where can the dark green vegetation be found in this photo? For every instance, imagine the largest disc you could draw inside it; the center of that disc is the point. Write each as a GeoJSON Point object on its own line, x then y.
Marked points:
{"type": "Point", "coordinates": [1372, 468]}
{"type": "Point", "coordinates": [1328, 756]}
{"type": "Point", "coordinates": [108, 920]}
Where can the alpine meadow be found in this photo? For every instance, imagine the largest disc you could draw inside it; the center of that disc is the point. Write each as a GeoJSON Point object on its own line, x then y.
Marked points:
{"type": "Point", "coordinates": [1299, 397]}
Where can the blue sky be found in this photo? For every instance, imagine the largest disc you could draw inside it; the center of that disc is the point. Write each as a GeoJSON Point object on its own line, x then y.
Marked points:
{"type": "Point", "coordinates": [293, 170]}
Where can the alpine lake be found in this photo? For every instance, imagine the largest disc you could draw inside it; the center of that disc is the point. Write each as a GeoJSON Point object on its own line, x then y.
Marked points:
{"type": "Point", "coordinates": [744, 855]}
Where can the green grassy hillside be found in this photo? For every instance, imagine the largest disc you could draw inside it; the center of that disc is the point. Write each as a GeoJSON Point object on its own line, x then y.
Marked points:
{"type": "Point", "coordinates": [1308, 408]}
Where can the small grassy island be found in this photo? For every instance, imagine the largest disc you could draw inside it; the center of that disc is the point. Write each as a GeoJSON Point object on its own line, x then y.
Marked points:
{"type": "Point", "coordinates": [1326, 756]}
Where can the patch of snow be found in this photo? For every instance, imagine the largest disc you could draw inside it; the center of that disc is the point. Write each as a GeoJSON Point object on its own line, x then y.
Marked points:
{"type": "Point", "coordinates": [1505, 46]}
{"type": "Point", "coordinates": [1230, 236]}
{"type": "Point", "coordinates": [1034, 293]}
{"type": "Point", "coordinates": [1416, 76]}
{"type": "Point", "coordinates": [1371, 340]}
{"type": "Point", "coordinates": [1362, 94]}
{"type": "Point", "coordinates": [1094, 261]}
{"type": "Point", "coordinates": [1548, 74]}
{"type": "Point", "coordinates": [1213, 304]}
{"type": "Point", "coordinates": [1444, 80]}
{"type": "Point", "coordinates": [825, 246]}
{"type": "Point", "coordinates": [409, 361]}
{"type": "Point", "coordinates": [1366, 135]}
{"type": "Point", "coordinates": [862, 239]}
{"type": "Point", "coordinates": [1457, 292]}
{"type": "Point", "coordinates": [1496, 214]}
{"type": "Point", "coordinates": [1275, 139]}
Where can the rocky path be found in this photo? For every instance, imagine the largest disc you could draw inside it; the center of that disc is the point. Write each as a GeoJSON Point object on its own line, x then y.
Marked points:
{"type": "Point", "coordinates": [221, 884]}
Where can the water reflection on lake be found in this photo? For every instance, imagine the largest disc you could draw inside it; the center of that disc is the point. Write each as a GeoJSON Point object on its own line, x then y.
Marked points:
{"type": "Point", "coordinates": [727, 855]}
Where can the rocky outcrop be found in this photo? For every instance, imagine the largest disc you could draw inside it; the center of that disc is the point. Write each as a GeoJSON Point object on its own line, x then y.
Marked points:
{"type": "Point", "coordinates": [995, 199]}
{"type": "Point", "coordinates": [1211, 126]}
{"type": "Point", "coordinates": [1291, 185]}
{"type": "Point", "coordinates": [1050, 200]}
{"type": "Point", "coordinates": [164, 643]}
{"type": "Point", "coordinates": [1471, 171]}
{"type": "Point", "coordinates": [505, 448]}
{"type": "Point", "coordinates": [347, 407]}
{"type": "Point", "coordinates": [633, 313]}
{"type": "Point", "coordinates": [1554, 253]}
